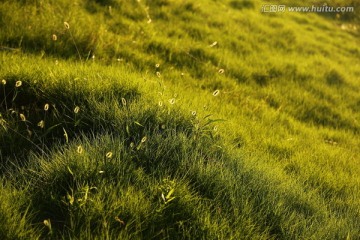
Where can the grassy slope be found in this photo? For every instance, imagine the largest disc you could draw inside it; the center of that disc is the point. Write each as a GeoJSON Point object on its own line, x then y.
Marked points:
{"type": "Point", "coordinates": [283, 164]}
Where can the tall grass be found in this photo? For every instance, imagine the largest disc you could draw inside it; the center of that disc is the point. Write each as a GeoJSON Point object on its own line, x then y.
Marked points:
{"type": "Point", "coordinates": [240, 125]}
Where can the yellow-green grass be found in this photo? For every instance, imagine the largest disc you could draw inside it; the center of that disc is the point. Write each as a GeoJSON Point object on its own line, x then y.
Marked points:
{"type": "Point", "coordinates": [248, 127]}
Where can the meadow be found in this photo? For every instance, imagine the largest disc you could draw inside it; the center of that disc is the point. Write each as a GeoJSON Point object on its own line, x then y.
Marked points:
{"type": "Point", "coordinates": [170, 119]}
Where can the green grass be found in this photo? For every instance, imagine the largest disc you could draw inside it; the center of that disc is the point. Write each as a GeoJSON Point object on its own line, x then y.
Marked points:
{"type": "Point", "coordinates": [178, 120]}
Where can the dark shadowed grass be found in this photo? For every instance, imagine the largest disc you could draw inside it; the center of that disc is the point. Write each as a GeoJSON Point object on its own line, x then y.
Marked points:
{"type": "Point", "coordinates": [38, 113]}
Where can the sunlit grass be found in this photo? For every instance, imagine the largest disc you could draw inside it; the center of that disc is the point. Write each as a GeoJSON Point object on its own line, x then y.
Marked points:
{"type": "Point", "coordinates": [177, 120]}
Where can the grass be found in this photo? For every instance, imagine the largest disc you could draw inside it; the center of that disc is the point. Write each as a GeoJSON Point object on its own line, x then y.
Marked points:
{"type": "Point", "coordinates": [177, 120]}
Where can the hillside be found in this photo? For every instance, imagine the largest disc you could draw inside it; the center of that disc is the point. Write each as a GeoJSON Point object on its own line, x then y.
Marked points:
{"type": "Point", "coordinates": [170, 119]}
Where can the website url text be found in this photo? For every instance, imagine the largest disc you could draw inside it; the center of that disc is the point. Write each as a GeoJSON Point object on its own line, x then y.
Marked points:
{"type": "Point", "coordinates": [269, 8]}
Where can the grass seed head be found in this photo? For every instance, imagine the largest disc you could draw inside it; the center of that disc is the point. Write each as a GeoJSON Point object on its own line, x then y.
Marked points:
{"type": "Point", "coordinates": [3, 82]}
{"type": "Point", "coordinates": [18, 83]}
{"type": "Point", "coordinates": [41, 124]}
{"type": "Point", "coordinates": [66, 24]}
{"type": "Point", "coordinates": [221, 71]}
{"type": "Point", "coordinates": [54, 37]}
{"type": "Point", "coordinates": [46, 107]}
{"type": "Point", "coordinates": [76, 109]}
{"type": "Point", "coordinates": [144, 139]}
{"type": "Point", "coordinates": [47, 223]}
{"type": "Point", "coordinates": [172, 101]}
{"type": "Point", "coordinates": [214, 44]}
{"type": "Point", "coordinates": [22, 117]}
{"type": "Point", "coordinates": [216, 92]}
{"type": "Point", "coordinates": [109, 155]}
{"type": "Point", "coordinates": [123, 101]}
{"type": "Point", "coordinates": [80, 149]}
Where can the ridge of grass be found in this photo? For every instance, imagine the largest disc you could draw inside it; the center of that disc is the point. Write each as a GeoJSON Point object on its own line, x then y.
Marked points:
{"type": "Point", "coordinates": [164, 120]}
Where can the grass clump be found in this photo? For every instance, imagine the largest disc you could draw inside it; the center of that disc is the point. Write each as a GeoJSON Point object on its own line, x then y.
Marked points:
{"type": "Point", "coordinates": [14, 214]}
